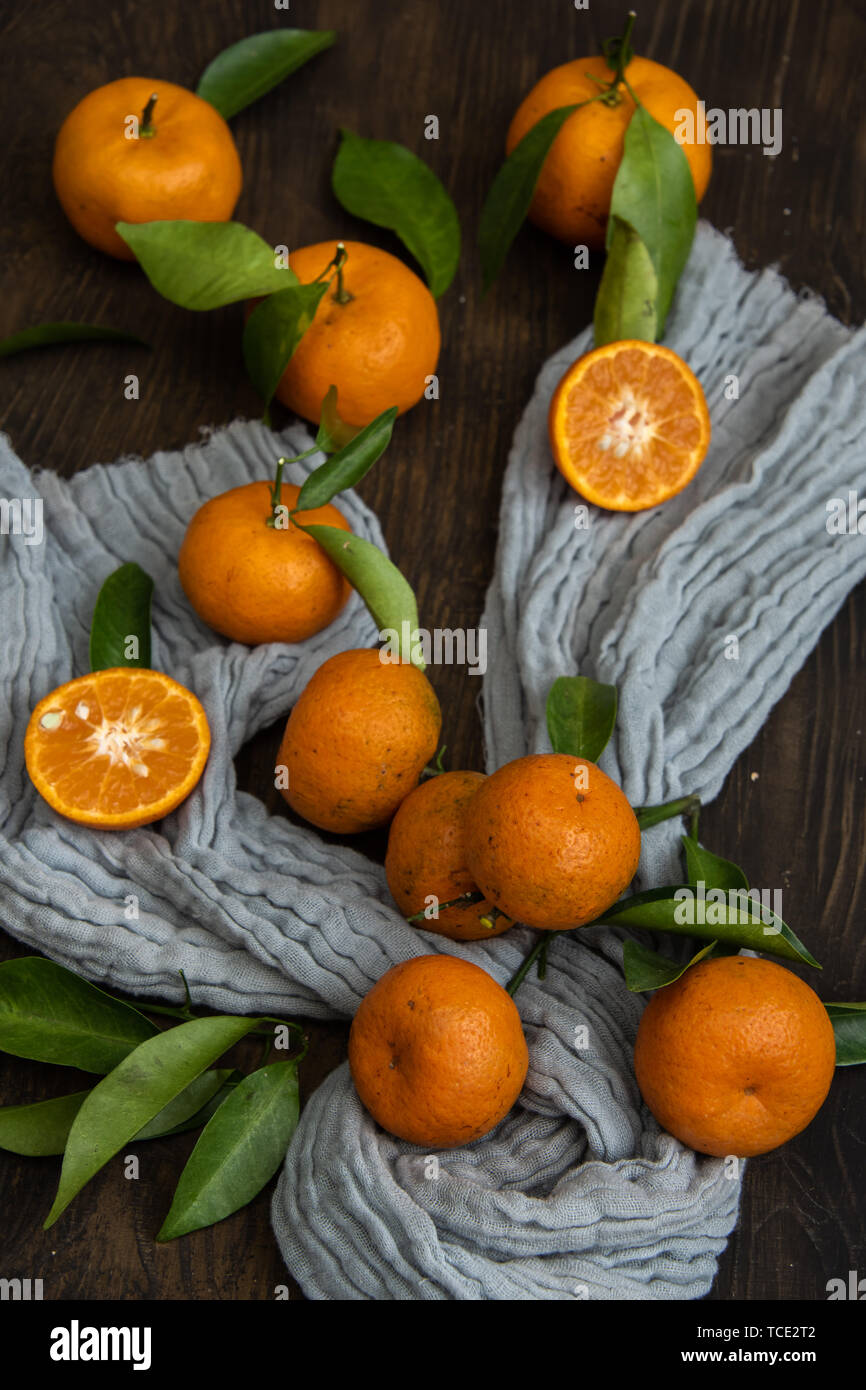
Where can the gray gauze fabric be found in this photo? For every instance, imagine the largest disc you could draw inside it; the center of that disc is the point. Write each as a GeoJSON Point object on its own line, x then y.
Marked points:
{"type": "Point", "coordinates": [577, 1194]}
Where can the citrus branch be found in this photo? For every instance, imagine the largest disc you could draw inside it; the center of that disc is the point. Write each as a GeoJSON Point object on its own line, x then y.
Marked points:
{"type": "Point", "coordinates": [539, 949]}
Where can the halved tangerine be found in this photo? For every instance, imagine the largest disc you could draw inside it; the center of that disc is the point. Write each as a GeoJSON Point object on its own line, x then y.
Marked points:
{"type": "Point", "coordinates": [118, 748]}
{"type": "Point", "coordinates": [629, 425]}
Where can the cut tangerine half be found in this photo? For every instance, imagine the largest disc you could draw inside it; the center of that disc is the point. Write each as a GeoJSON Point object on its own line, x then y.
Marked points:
{"type": "Point", "coordinates": [629, 425]}
{"type": "Point", "coordinates": [118, 748]}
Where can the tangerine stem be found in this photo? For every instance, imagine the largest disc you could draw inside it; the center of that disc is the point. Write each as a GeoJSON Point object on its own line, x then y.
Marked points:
{"type": "Point", "coordinates": [618, 51]}
{"type": "Point", "coordinates": [146, 127]}
{"type": "Point", "coordinates": [489, 918]}
{"type": "Point", "coordinates": [631, 91]}
{"type": "Point", "coordinates": [542, 958]}
{"type": "Point", "coordinates": [277, 489]}
{"type": "Point", "coordinates": [463, 901]}
{"type": "Point", "coordinates": [183, 1014]}
{"type": "Point", "coordinates": [284, 1023]}
{"type": "Point", "coordinates": [438, 769]}
{"type": "Point", "coordinates": [341, 294]}
{"type": "Point", "coordinates": [518, 978]}
{"type": "Point", "coordinates": [654, 815]}
{"type": "Point", "coordinates": [341, 255]}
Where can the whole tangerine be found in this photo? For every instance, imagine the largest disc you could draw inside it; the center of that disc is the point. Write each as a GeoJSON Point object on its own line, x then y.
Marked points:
{"type": "Point", "coordinates": [357, 741]}
{"type": "Point", "coordinates": [437, 1052]}
{"type": "Point", "coordinates": [552, 841]}
{"type": "Point", "coordinates": [572, 197]}
{"type": "Point", "coordinates": [427, 858]}
{"type": "Point", "coordinates": [736, 1056]}
{"type": "Point", "coordinates": [143, 150]}
{"type": "Point", "coordinates": [375, 335]}
{"type": "Point", "coordinates": [256, 582]}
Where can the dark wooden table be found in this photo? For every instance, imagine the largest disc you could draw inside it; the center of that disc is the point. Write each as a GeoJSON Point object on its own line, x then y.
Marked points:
{"type": "Point", "coordinates": [799, 823]}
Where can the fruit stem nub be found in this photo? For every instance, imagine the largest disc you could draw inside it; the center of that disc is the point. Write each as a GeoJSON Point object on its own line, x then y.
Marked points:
{"type": "Point", "coordinates": [341, 255]}
{"type": "Point", "coordinates": [618, 53]}
{"type": "Point", "coordinates": [146, 128]}
{"type": "Point", "coordinates": [463, 901]}
{"type": "Point", "coordinates": [277, 489]}
{"type": "Point", "coordinates": [341, 294]}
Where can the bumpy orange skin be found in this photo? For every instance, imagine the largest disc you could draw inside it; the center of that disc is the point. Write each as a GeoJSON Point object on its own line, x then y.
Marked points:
{"type": "Point", "coordinates": [378, 349]}
{"type": "Point", "coordinates": [357, 741]}
{"type": "Point", "coordinates": [189, 169]}
{"type": "Point", "coordinates": [437, 1052]}
{"type": "Point", "coordinates": [427, 856]}
{"type": "Point", "coordinates": [572, 197]}
{"type": "Point", "coordinates": [552, 841]}
{"type": "Point", "coordinates": [257, 583]}
{"type": "Point", "coordinates": [735, 1057]}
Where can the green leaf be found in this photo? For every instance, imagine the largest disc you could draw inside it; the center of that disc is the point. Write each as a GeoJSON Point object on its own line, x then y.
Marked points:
{"type": "Point", "coordinates": [655, 194]}
{"type": "Point", "coordinates": [203, 265]}
{"type": "Point", "coordinates": [738, 922]}
{"type": "Point", "coordinates": [347, 467]}
{"type": "Point", "coordinates": [272, 333]}
{"type": "Point", "coordinates": [388, 185]}
{"type": "Point", "coordinates": [49, 334]}
{"type": "Point", "coordinates": [645, 969]}
{"type": "Point", "coordinates": [173, 1118]}
{"type": "Point", "coordinates": [136, 1090]}
{"type": "Point", "coordinates": [849, 1025]}
{"type": "Point", "coordinates": [334, 433]}
{"type": "Point", "coordinates": [201, 1117]}
{"type": "Point", "coordinates": [625, 306]}
{"type": "Point", "coordinates": [581, 714]}
{"type": "Point", "coordinates": [510, 195]}
{"type": "Point", "coordinates": [248, 70]}
{"type": "Point", "coordinates": [40, 1129]}
{"type": "Point", "coordinates": [711, 869]}
{"type": "Point", "coordinates": [48, 1014]}
{"type": "Point", "coordinates": [240, 1149]}
{"type": "Point", "coordinates": [122, 611]}
{"type": "Point", "coordinates": [379, 582]}
{"type": "Point", "coordinates": [43, 1128]}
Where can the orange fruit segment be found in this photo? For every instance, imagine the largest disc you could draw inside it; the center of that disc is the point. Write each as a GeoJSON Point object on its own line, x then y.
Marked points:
{"type": "Point", "coordinates": [629, 425]}
{"type": "Point", "coordinates": [118, 748]}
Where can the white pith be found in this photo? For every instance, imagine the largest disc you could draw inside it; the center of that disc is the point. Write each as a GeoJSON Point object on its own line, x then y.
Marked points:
{"type": "Point", "coordinates": [123, 741]}
{"type": "Point", "coordinates": [628, 428]}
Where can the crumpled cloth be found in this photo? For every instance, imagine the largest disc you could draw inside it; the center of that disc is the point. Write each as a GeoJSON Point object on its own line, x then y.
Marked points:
{"type": "Point", "coordinates": [577, 1194]}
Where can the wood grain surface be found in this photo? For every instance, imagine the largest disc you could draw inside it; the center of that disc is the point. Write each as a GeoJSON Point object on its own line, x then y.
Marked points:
{"type": "Point", "coordinates": [792, 810]}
